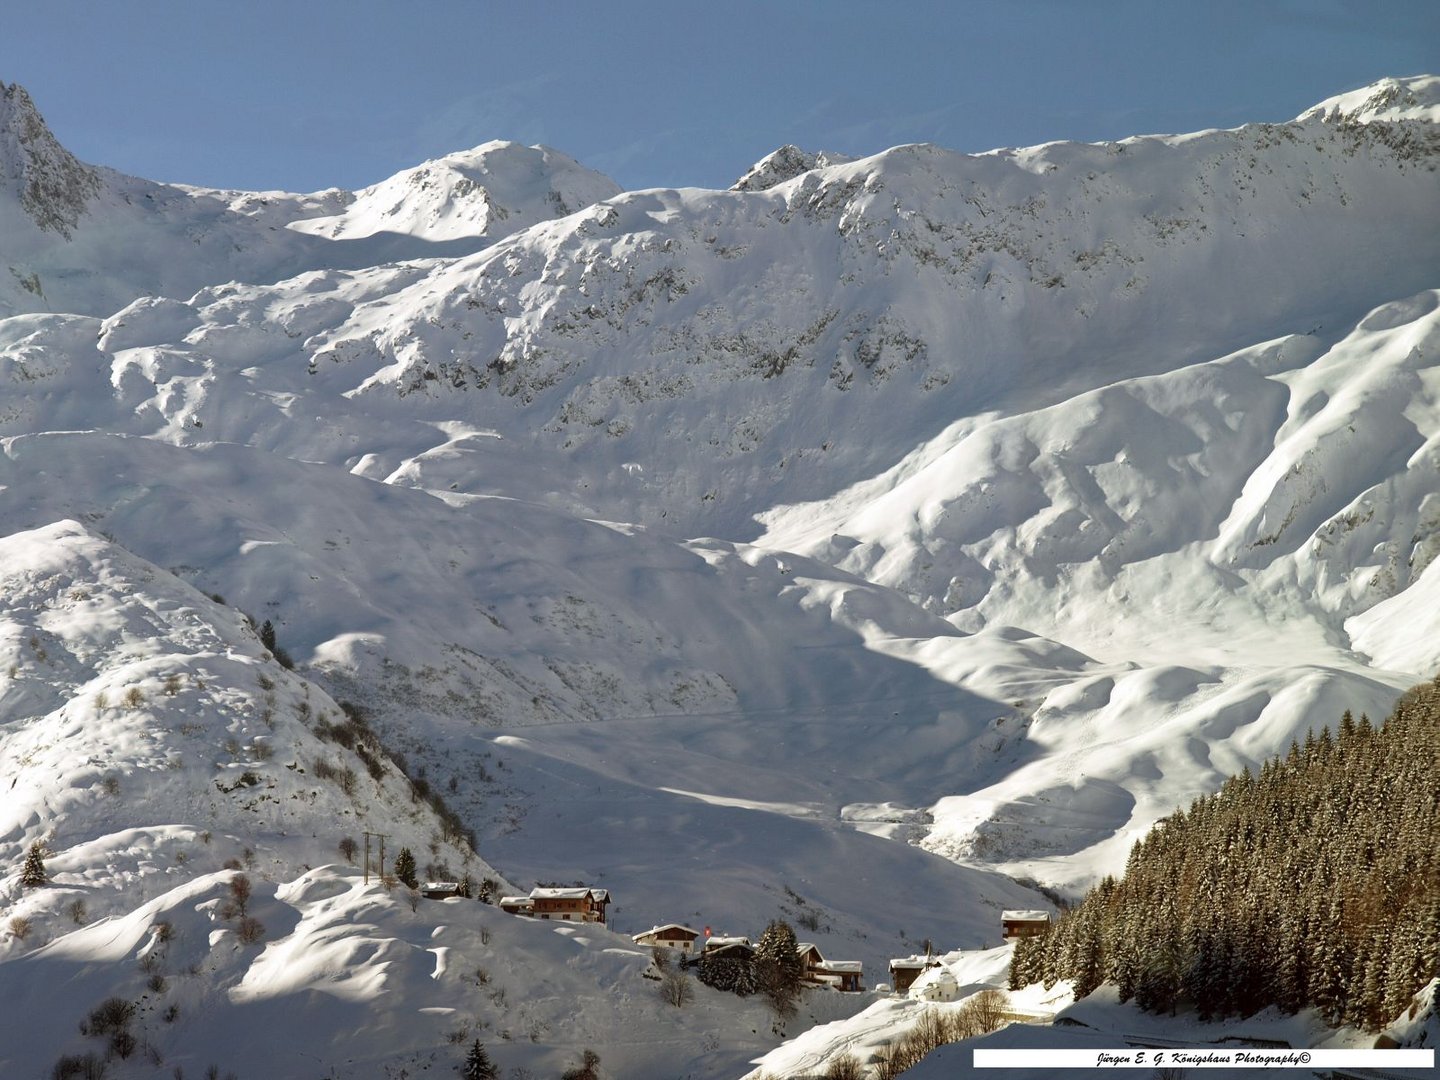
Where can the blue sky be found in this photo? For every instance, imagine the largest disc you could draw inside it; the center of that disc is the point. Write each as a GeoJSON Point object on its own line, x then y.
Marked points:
{"type": "Point", "coordinates": [307, 94]}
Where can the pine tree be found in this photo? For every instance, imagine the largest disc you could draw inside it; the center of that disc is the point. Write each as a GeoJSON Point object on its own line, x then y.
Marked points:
{"type": "Point", "coordinates": [267, 635]}
{"type": "Point", "coordinates": [478, 1065]}
{"type": "Point", "coordinates": [734, 974]}
{"type": "Point", "coordinates": [32, 873]}
{"type": "Point", "coordinates": [779, 969]}
{"type": "Point", "coordinates": [405, 869]}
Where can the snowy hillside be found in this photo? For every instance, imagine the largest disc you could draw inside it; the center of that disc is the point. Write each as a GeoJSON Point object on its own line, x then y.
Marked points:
{"type": "Point", "coordinates": [828, 548]}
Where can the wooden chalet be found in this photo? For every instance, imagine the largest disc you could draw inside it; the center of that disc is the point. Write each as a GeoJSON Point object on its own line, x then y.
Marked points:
{"type": "Point", "coordinates": [904, 970]}
{"type": "Point", "coordinates": [810, 956]}
{"type": "Point", "coordinates": [1018, 924]}
{"type": "Point", "coordinates": [837, 974]}
{"type": "Point", "coordinates": [439, 890]}
{"type": "Point", "coordinates": [578, 904]}
{"type": "Point", "coordinates": [738, 948]}
{"type": "Point", "coordinates": [670, 936]}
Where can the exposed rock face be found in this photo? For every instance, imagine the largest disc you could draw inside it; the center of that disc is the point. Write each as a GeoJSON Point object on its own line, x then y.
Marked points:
{"type": "Point", "coordinates": [53, 187]}
{"type": "Point", "coordinates": [785, 164]}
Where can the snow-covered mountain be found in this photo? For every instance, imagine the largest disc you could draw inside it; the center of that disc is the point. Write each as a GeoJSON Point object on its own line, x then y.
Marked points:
{"type": "Point", "coordinates": [848, 535]}
{"type": "Point", "coordinates": [83, 239]}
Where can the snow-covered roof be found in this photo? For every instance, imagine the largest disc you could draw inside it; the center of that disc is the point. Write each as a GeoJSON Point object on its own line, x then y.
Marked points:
{"type": "Point", "coordinates": [715, 941]}
{"type": "Point", "coordinates": [667, 926]}
{"type": "Point", "coordinates": [575, 893]}
{"type": "Point", "coordinates": [1017, 915]}
{"type": "Point", "coordinates": [917, 963]}
{"type": "Point", "coordinates": [842, 965]}
{"type": "Point", "coordinates": [515, 900]}
{"type": "Point", "coordinates": [433, 885]}
{"type": "Point", "coordinates": [802, 947]}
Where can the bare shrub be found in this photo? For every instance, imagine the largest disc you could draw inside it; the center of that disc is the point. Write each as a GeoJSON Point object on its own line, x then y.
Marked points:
{"type": "Point", "coordinates": [845, 1067]}
{"type": "Point", "coordinates": [347, 848]}
{"type": "Point", "coordinates": [77, 911]}
{"type": "Point", "coordinates": [123, 1043]}
{"type": "Point", "coordinates": [249, 930]}
{"type": "Point", "coordinates": [20, 927]}
{"type": "Point", "coordinates": [111, 1015]}
{"type": "Point", "coordinates": [240, 888]}
{"type": "Point", "coordinates": [79, 1067]}
{"type": "Point", "coordinates": [676, 989]}
{"type": "Point", "coordinates": [987, 1010]}
{"type": "Point", "coordinates": [134, 697]}
{"type": "Point", "coordinates": [930, 1030]}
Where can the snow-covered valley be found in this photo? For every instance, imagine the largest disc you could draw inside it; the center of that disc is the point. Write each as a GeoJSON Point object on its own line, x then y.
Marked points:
{"type": "Point", "coordinates": [850, 546]}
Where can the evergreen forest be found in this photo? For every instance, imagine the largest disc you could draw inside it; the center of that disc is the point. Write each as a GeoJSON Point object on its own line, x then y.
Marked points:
{"type": "Point", "coordinates": [1314, 885]}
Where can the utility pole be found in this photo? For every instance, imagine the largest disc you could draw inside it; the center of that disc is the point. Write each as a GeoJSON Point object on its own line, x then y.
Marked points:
{"type": "Point", "coordinates": [381, 837]}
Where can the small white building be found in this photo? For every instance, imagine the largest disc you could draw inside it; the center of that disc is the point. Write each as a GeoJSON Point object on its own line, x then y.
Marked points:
{"type": "Point", "coordinates": [935, 984]}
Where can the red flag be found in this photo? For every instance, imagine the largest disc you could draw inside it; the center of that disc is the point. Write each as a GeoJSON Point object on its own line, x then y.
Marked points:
{"type": "Point", "coordinates": [707, 931]}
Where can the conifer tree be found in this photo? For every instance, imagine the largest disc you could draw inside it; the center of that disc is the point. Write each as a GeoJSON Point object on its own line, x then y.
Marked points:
{"type": "Point", "coordinates": [779, 970]}
{"type": "Point", "coordinates": [478, 1065]}
{"type": "Point", "coordinates": [405, 869]}
{"type": "Point", "coordinates": [32, 873]}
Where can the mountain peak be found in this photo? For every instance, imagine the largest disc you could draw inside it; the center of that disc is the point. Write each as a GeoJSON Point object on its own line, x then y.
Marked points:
{"type": "Point", "coordinates": [53, 187]}
{"type": "Point", "coordinates": [1414, 98]}
{"type": "Point", "coordinates": [489, 191]}
{"type": "Point", "coordinates": [784, 164]}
